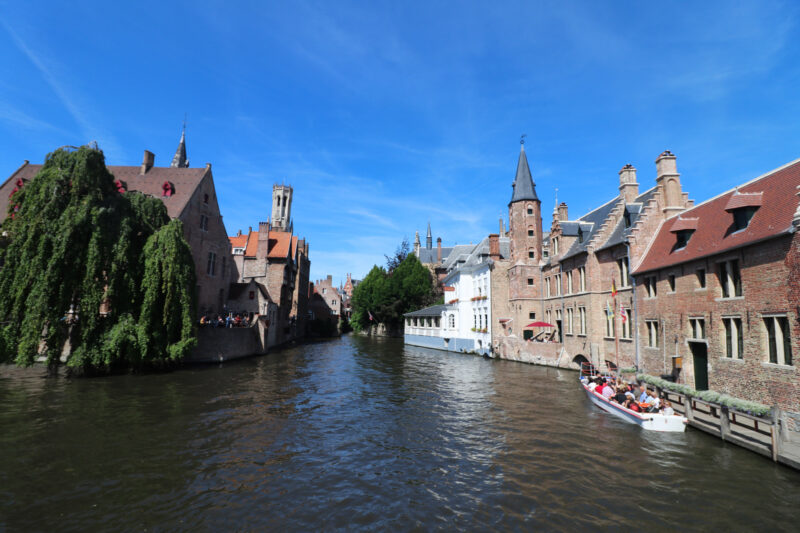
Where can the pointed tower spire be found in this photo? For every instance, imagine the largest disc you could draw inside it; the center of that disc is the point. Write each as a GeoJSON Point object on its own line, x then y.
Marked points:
{"type": "Point", "coordinates": [180, 160]}
{"type": "Point", "coordinates": [429, 238]}
{"type": "Point", "coordinates": [524, 189]}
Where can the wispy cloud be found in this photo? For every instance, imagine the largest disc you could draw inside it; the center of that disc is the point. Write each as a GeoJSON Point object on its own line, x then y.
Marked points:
{"type": "Point", "coordinates": [88, 129]}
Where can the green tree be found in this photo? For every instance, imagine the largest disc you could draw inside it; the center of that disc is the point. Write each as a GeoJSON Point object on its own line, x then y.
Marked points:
{"type": "Point", "coordinates": [75, 246]}
{"type": "Point", "coordinates": [388, 295]}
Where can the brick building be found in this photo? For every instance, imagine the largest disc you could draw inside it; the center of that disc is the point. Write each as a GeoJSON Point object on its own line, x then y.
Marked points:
{"type": "Point", "coordinates": [190, 196]}
{"type": "Point", "coordinates": [717, 294]}
{"type": "Point", "coordinates": [325, 303]}
{"type": "Point", "coordinates": [432, 258]}
{"type": "Point", "coordinates": [565, 277]}
{"type": "Point", "coordinates": [278, 260]}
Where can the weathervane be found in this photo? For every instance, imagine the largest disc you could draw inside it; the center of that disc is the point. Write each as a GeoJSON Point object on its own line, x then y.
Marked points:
{"type": "Point", "coordinates": [522, 138]}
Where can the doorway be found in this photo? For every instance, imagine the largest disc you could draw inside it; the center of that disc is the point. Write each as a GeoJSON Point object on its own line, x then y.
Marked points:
{"type": "Point", "coordinates": [558, 327]}
{"type": "Point", "coordinates": [700, 360]}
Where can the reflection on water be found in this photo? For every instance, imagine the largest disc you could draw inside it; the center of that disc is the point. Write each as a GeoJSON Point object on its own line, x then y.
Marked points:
{"type": "Point", "coordinates": [361, 433]}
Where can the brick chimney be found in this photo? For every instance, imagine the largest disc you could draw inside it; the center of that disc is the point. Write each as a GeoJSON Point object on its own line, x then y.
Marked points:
{"type": "Point", "coordinates": [669, 184]}
{"type": "Point", "coordinates": [438, 249]}
{"type": "Point", "coordinates": [562, 211]}
{"type": "Point", "coordinates": [148, 161]}
{"type": "Point", "coordinates": [494, 247]}
{"type": "Point", "coordinates": [628, 186]}
{"type": "Point", "coordinates": [330, 280]}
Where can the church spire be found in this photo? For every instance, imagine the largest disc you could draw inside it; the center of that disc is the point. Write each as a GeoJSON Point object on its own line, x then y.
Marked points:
{"type": "Point", "coordinates": [180, 160]}
{"type": "Point", "coordinates": [524, 189]}
{"type": "Point", "coordinates": [429, 238]}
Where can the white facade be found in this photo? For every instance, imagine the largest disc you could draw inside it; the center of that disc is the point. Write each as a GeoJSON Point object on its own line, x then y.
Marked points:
{"type": "Point", "coordinates": [468, 317]}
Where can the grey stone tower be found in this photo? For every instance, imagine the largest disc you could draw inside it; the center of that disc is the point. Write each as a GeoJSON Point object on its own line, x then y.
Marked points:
{"type": "Point", "coordinates": [180, 160]}
{"type": "Point", "coordinates": [282, 207]}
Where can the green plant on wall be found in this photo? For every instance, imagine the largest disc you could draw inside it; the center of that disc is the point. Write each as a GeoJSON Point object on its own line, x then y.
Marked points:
{"type": "Point", "coordinates": [83, 263]}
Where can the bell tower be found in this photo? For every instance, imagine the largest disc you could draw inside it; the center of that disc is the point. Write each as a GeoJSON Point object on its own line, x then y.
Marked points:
{"type": "Point", "coordinates": [281, 207]}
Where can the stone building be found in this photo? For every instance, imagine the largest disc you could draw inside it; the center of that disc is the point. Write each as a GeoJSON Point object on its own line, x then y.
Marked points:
{"type": "Point", "coordinates": [347, 295]}
{"type": "Point", "coordinates": [278, 260]}
{"type": "Point", "coordinates": [565, 277]}
{"type": "Point", "coordinates": [717, 294]}
{"type": "Point", "coordinates": [326, 302]}
{"type": "Point", "coordinates": [189, 195]}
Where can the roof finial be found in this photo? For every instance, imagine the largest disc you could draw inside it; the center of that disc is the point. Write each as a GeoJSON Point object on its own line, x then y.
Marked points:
{"type": "Point", "coordinates": [180, 160]}
{"type": "Point", "coordinates": [522, 138]}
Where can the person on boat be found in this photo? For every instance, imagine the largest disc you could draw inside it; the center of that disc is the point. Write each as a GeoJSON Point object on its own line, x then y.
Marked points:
{"type": "Point", "coordinates": [620, 396]}
{"type": "Point", "coordinates": [607, 391]}
{"type": "Point", "coordinates": [592, 385]}
{"type": "Point", "coordinates": [643, 393]}
{"type": "Point", "coordinates": [667, 409]}
{"type": "Point", "coordinates": [633, 405]}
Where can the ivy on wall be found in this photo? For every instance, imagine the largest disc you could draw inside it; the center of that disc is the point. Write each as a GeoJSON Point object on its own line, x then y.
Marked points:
{"type": "Point", "coordinates": [105, 273]}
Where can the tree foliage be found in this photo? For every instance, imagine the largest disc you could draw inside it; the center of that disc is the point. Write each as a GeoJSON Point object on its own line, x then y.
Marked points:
{"type": "Point", "coordinates": [387, 295]}
{"type": "Point", "coordinates": [399, 256]}
{"type": "Point", "coordinates": [73, 242]}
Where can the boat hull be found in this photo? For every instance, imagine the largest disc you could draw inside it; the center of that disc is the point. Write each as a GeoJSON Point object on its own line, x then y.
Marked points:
{"type": "Point", "coordinates": [649, 421]}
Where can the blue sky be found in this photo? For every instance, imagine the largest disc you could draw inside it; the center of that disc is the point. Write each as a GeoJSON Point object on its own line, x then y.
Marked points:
{"type": "Point", "coordinates": [385, 115]}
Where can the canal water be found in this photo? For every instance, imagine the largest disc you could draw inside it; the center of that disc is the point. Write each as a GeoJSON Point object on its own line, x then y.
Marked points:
{"type": "Point", "coordinates": [361, 434]}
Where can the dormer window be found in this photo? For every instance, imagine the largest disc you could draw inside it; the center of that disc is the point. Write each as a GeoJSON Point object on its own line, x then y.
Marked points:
{"type": "Point", "coordinates": [683, 238]}
{"type": "Point", "coordinates": [683, 228]}
{"type": "Point", "coordinates": [743, 206]}
{"type": "Point", "coordinates": [627, 218]}
{"type": "Point", "coordinates": [741, 217]}
{"type": "Point", "coordinates": [580, 234]}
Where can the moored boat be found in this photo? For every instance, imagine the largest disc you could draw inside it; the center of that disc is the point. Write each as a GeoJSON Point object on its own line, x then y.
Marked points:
{"type": "Point", "coordinates": [650, 421]}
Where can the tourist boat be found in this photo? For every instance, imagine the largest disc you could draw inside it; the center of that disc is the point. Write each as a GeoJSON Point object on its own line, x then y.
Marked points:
{"type": "Point", "coordinates": [651, 421]}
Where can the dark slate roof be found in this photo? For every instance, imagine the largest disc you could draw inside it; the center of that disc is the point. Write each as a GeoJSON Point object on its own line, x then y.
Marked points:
{"type": "Point", "coordinates": [435, 310]}
{"type": "Point", "coordinates": [180, 160]}
{"type": "Point", "coordinates": [524, 189]}
{"type": "Point", "coordinates": [428, 255]}
{"type": "Point", "coordinates": [620, 233]}
{"type": "Point", "coordinates": [590, 223]}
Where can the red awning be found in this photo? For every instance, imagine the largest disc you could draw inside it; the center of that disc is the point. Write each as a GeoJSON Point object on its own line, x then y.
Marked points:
{"type": "Point", "coordinates": [539, 325]}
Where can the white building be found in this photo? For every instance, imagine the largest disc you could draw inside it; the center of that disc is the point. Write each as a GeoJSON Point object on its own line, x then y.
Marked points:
{"type": "Point", "coordinates": [463, 323]}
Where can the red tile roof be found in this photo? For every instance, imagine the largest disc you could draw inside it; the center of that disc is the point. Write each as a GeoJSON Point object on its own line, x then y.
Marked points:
{"type": "Point", "coordinates": [238, 241]}
{"type": "Point", "coordinates": [184, 181]}
{"type": "Point", "coordinates": [738, 200]}
{"type": "Point", "coordinates": [279, 242]}
{"type": "Point", "coordinates": [252, 245]}
{"type": "Point", "coordinates": [293, 248]}
{"type": "Point", "coordinates": [684, 224]}
{"type": "Point", "coordinates": [715, 233]}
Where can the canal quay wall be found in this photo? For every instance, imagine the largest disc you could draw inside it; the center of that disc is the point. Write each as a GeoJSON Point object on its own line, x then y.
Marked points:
{"type": "Point", "coordinates": [215, 345]}
{"type": "Point", "coordinates": [773, 436]}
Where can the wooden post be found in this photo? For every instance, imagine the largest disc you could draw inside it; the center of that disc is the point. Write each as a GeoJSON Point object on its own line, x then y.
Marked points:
{"type": "Point", "coordinates": [687, 403]}
{"type": "Point", "coordinates": [724, 423]}
{"type": "Point", "coordinates": [775, 432]}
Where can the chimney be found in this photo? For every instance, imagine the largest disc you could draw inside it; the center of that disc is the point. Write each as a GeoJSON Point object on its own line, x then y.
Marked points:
{"type": "Point", "coordinates": [796, 219]}
{"type": "Point", "coordinates": [148, 161]}
{"type": "Point", "coordinates": [438, 249]}
{"type": "Point", "coordinates": [494, 247]}
{"type": "Point", "coordinates": [562, 211]}
{"type": "Point", "coordinates": [669, 184]}
{"type": "Point", "coordinates": [239, 233]}
{"type": "Point", "coordinates": [502, 228]}
{"type": "Point", "coordinates": [330, 280]}
{"type": "Point", "coordinates": [628, 187]}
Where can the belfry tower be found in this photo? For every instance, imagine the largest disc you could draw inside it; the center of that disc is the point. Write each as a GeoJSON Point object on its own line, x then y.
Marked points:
{"type": "Point", "coordinates": [282, 207]}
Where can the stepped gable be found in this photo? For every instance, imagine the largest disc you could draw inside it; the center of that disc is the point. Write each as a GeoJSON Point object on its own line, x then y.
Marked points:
{"type": "Point", "coordinates": [184, 183]}
{"type": "Point", "coordinates": [715, 234]}
{"type": "Point", "coordinates": [589, 224]}
{"type": "Point", "coordinates": [634, 210]}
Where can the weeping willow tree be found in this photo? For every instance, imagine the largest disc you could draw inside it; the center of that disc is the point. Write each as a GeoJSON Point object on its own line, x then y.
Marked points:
{"type": "Point", "coordinates": [106, 274]}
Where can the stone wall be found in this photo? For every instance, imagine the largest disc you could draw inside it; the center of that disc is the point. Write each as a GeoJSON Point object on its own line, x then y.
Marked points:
{"type": "Point", "coordinates": [224, 344]}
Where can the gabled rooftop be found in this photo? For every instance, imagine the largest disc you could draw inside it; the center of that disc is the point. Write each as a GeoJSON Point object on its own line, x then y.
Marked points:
{"type": "Point", "coordinates": [715, 232]}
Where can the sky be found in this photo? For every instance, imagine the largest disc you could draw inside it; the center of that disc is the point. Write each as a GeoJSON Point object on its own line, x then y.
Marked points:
{"type": "Point", "coordinates": [385, 116]}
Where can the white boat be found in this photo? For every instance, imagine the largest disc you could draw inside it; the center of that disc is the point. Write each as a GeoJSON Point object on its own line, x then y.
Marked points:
{"type": "Point", "coordinates": [651, 421]}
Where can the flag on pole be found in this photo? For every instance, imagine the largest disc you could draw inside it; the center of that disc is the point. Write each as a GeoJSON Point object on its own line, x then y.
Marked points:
{"type": "Point", "coordinates": [370, 315]}
{"type": "Point", "coordinates": [622, 313]}
{"type": "Point", "coordinates": [613, 289]}
{"type": "Point", "coordinates": [609, 310]}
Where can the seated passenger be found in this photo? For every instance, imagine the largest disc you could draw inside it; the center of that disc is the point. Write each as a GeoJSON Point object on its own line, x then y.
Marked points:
{"type": "Point", "coordinates": [620, 397]}
{"type": "Point", "coordinates": [607, 391]}
{"type": "Point", "coordinates": [592, 385]}
{"type": "Point", "coordinates": [632, 405]}
{"type": "Point", "coordinates": [667, 409]}
{"type": "Point", "coordinates": [643, 393]}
